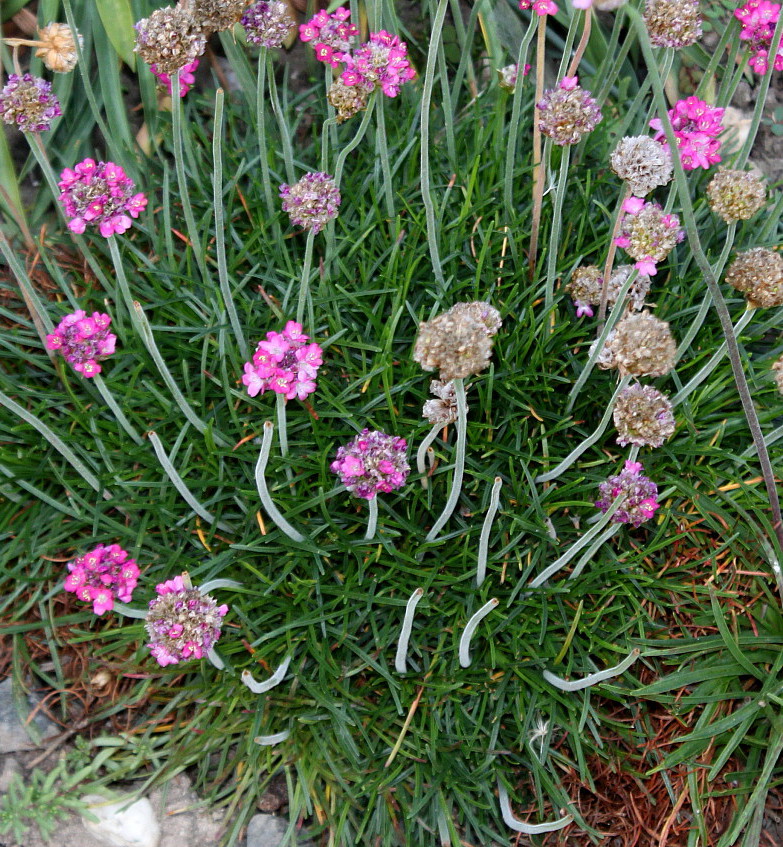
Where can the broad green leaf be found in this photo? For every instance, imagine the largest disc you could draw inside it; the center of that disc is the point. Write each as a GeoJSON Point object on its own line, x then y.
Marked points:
{"type": "Point", "coordinates": [117, 19]}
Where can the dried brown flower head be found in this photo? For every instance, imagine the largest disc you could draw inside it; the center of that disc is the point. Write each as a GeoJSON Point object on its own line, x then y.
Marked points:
{"type": "Point", "coordinates": [443, 409]}
{"type": "Point", "coordinates": [736, 195]}
{"type": "Point", "coordinates": [758, 274]}
{"type": "Point", "coordinates": [58, 47]}
{"type": "Point", "coordinates": [169, 38]}
{"type": "Point", "coordinates": [640, 345]}
{"type": "Point", "coordinates": [347, 99]}
{"type": "Point", "coordinates": [673, 23]}
{"type": "Point", "coordinates": [643, 416]}
{"type": "Point", "coordinates": [642, 162]}
{"type": "Point", "coordinates": [217, 15]}
{"type": "Point", "coordinates": [567, 112]}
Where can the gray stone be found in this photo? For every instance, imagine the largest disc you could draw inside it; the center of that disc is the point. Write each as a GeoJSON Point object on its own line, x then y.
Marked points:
{"type": "Point", "coordinates": [14, 735]}
{"type": "Point", "coordinates": [120, 824]}
{"type": "Point", "coordinates": [269, 830]}
{"type": "Point", "coordinates": [11, 768]}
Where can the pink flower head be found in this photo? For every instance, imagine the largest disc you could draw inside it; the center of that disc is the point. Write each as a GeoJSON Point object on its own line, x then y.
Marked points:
{"type": "Point", "coordinates": [696, 127]}
{"type": "Point", "coordinates": [569, 83]}
{"type": "Point", "coordinates": [312, 202]}
{"type": "Point", "coordinates": [647, 234]}
{"type": "Point", "coordinates": [332, 35]}
{"type": "Point", "coordinates": [382, 62]}
{"type": "Point", "coordinates": [583, 309]}
{"type": "Point", "coordinates": [758, 19]}
{"type": "Point", "coordinates": [640, 495]}
{"type": "Point", "coordinates": [186, 77]}
{"type": "Point", "coordinates": [182, 623]}
{"type": "Point", "coordinates": [584, 5]}
{"type": "Point", "coordinates": [372, 462]}
{"type": "Point", "coordinates": [284, 363]}
{"type": "Point", "coordinates": [100, 194]}
{"type": "Point", "coordinates": [28, 103]}
{"type": "Point", "coordinates": [102, 574]}
{"type": "Point", "coordinates": [83, 341]}
{"type": "Point", "coordinates": [540, 7]}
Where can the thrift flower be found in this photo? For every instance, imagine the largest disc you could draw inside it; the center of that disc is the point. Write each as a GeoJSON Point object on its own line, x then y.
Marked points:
{"type": "Point", "coordinates": [586, 282]}
{"type": "Point", "coordinates": [83, 341]}
{"type": "Point", "coordinates": [758, 274]}
{"type": "Point", "coordinates": [640, 345]}
{"type": "Point", "coordinates": [642, 163]}
{"type": "Point", "coordinates": [540, 7]}
{"type": "Point", "coordinates": [758, 19]}
{"type": "Point", "coordinates": [508, 76]}
{"type": "Point", "coordinates": [169, 39]}
{"type": "Point", "coordinates": [267, 23]}
{"type": "Point", "coordinates": [372, 462]}
{"type": "Point", "coordinates": [101, 575]}
{"type": "Point", "coordinates": [641, 495]}
{"type": "Point", "coordinates": [696, 127]}
{"type": "Point", "coordinates": [332, 35]}
{"type": "Point", "coordinates": [285, 363]}
{"type": "Point", "coordinates": [459, 341]}
{"type": "Point", "coordinates": [736, 195]}
{"type": "Point", "coordinates": [58, 47]}
{"type": "Point", "coordinates": [100, 194]}
{"type": "Point", "coordinates": [382, 62]}
{"type": "Point", "coordinates": [348, 100]}
{"type": "Point", "coordinates": [673, 23]}
{"type": "Point", "coordinates": [217, 15]}
{"type": "Point", "coordinates": [568, 112]}
{"type": "Point", "coordinates": [28, 102]}
{"type": "Point", "coordinates": [647, 234]}
{"type": "Point", "coordinates": [643, 416]}
{"type": "Point", "coordinates": [442, 410]}
{"type": "Point", "coordinates": [186, 77]}
{"type": "Point", "coordinates": [312, 202]}
{"type": "Point", "coordinates": [182, 623]}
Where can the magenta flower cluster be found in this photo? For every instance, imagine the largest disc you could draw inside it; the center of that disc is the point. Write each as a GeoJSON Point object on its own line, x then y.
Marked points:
{"type": "Point", "coordinates": [332, 35]}
{"type": "Point", "coordinates": [102, 194]}
{"type": "Point", "coordinates": [372, 462]}
{"type": "Point", "coordinates": [758, 19]}
{"type": "Point", "coordinates": [182, 623]}
{"type": "Point", "coordinates": [29, 102]}
{"type": "Point", "coordinates": [285, 363]}
{"type": "Point", "coordinates": [540, 7]}
{"type": "Point", "coordinates": [186, 77]}
{"type": "Point", "coordinates": [83, 341]}
{"type": "Point", "coordinates": [312, 202]}
{"type": "Point", "coordinates": [101, 575]}
{"type": "Point", "coordinates": [696, 127]}
{"type": "Point", "coordinates": [641, 495]}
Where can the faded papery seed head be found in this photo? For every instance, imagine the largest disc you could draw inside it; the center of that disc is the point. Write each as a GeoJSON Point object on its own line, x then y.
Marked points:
{"type": "Point", "coordinates": [442, 410]}
{"type": "Point", "coordinates": [643, 163]}
{"type": "Point", "coordinates": [169, 38]}
{"type": "Point", "coordinates": [640, 345]}
{"type": "Point", "coordinates": [58, 48]}
{"type": "Point", "coordinates": [643, 416]}
{"type": "Point", "coordinates": [736, 195]}
{"type": "Point", "coordinates": [217, 15]}
{"type": "Point", "coordinates": [758, 274]}
{"type": "Point", "coordinates": [347, 100]}
{"type": "Point", "coordinates": [567, 112]}
{"type": "Point", "coordinates": [673, 23]}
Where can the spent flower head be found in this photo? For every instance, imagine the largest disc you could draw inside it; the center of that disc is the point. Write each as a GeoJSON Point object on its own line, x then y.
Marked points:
{"type": "Point", "coordinates": [643, 416]}
{"type": "Point", "coordinates": [567, 112]}
{"type": "Point", "coordinates": [642, 162]}
{"type": "Point", "coordinates": [182, 623]}
{"type": "Point", "coordinates": [285, 363]}
{"type": "Point", "coordinates": [217, 15]}
{"type": "Point", "coordinates": [586, 283]}
{"type": "Point", "coordinates": [736, 195]}
{"type": "Point", "coordinates": [348, 100]}
{"type": "Point", "coordinates": [640, 495]}
{"type": "Point", "coordinates": [758, 19]}
{"type": "Point", "coordinates": [459, 341]}
{"type": "Point", "coordinates": [508, 76]}
{"type": "Point", "coordinates": [101, 575]}
{"type": "Point", "coordinates": [57, 49]}
{"type": "Point", "coordinates": [333, 36]}
{"type": "Point", "coordinates": [312, 202]}
{"type": "Point", "coordinates": [267, 23]}
{"type": "Point", "coordinates": [673, 23]}
{"type": "Point", "coordinates": [372, 462]}
{"type": "Point", "coordinates": [648, 234]}
{"type": "Point", "coordinates": [758, 274]}
{"type": "Point", "coordinates": [382, 62]}
{"type": "Point", "coordinates": [640, 345]}
{"type": "Point", "coordinates": [100, 194]}
{"type": "Point", "coordinates": [83, 341]}
{"type": "Point", "coordinates": [696, 127]}
{"type": "Point", "coordinates": [186, 77]}
{"type": "Point", "coordinates": [443, 409]}
{"type": "Point", "coordinates": [28, 102]}
{"type": "Point", "coordinates": [169, 39]}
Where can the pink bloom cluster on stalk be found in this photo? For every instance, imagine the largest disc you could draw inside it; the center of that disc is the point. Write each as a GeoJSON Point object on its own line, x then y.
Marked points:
{"type": "Point", "coordinates": [696, 127]}
{"type": "Point", "coordinates": [182, 623]}
{"type": "Point", "coordinates": [186, 77]}
{"type": "Point", "coordinates": [29, 102]}
{"type": "Point", "coordinates": [648, 234]}
{"type": "Point", "coordinates": [83, 341]}
{"type": "Point", "coordinates": [99, 193]}
{"type": "Point", "coordinates": [373, 462]}
{"type": "Point", "coordinates": [758, 19]}
{"type": "Point", "coordinates": [312, 202]}
{"type": "Point", "coordinates": [540, 7]}
{"type": "Point", "coordinates": [101, 575]}
{"type": "Point", "coordinates": [332, 35]}
{"type": "Point", "coordinates": [641, 495]}
{"type": "Point", "coordinates": [285, 363]}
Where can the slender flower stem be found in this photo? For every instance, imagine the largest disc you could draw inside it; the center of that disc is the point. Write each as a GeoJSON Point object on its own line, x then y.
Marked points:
{"type": "Point", "coordinates": [593, 678]}
{"type": "Point", "coordinates": [263, 490]}
{"type": "Point", "coordinates": [282, 432]}
{"type": "Point", "coordinates": [717, 297]}
{"type": "Point", "coordinates": [589, 441]}
{"type": "Point", "coordinates": [470, 628]}
{"type": "Point", "coordinates": [304, 299]}
{"type": "Point", "coordinates": [528, 828]}
{"type": "Point", "coordinates": [587, 556]}
{"type": "Point", "coordinates": [582, 46]}
{"type": "Point", "coordinates": [372, 519]}
{"type": "Point", "coordinates": [554, 238]}
{"type": "Point", "coordinates": [421, 453]}
{"type": "Point", "coordinates": [220, 233]}
{"type": "Point", "coordinates": [610, 254]}
{"type": "Point", "coordinates": [383, 151]}
{"type": "Point", "coordinates": [459, 462]}
{"type": "Point", "coordinates": [268, 684]}
{"type": "Point", "coordinates": [354, 142]}
{"type": "Point", "coordinates": [108, 398]}
{"type": "Point", "coordinates": [426, 100]}
{"type": "Point", "coordinates": [285, 137]}
{"type": "Point", "coordinates": [400, 660]}
{"type": "Point", "coordinates": [494, 501]}
{"type": "Point", "coordinates": [261, 130]}
{"type": "Point", "coordinates": [538, 164]}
